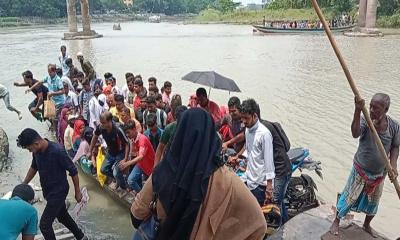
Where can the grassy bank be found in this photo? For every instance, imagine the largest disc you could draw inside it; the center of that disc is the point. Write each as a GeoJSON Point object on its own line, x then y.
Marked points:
{"type": "Point", "coordinates": [29, 21]}
{"type": "Point", "coordinates": [389, 21]}
{"type": "Point", "coordinates": [12, 22]}
{"type": "Point", "coordinates": [253, 17]}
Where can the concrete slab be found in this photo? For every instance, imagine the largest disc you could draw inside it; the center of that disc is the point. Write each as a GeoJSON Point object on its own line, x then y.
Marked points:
{"type": "Point", "coordinates": [315, 224]}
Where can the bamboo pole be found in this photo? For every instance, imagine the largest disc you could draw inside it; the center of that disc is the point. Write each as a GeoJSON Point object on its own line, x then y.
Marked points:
{"type": "Point", "coordinates": [356, 93]}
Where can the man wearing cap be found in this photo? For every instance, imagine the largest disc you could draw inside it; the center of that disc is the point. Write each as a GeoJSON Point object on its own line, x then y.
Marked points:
{"type": "Point", "coordinates": [17, 215]}
{"type": "Point", "coordinates": [87, 67]}
{"type": "Point", "coordinates": [73, 71]}
{"type": "Point", "coordinates": [52, 162]}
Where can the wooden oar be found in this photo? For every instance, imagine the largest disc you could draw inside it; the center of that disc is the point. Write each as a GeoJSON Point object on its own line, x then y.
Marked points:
{"type": "Point", "coordinates": [356, 93]}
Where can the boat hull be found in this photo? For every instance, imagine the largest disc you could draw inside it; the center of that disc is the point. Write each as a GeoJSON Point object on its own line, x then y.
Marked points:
{"type": "Point", "coordinates": [272, 30]}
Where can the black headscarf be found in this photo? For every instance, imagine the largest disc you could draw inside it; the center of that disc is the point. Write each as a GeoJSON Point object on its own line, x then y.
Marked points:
{"type": "Point", "coordinates": [181, 178]}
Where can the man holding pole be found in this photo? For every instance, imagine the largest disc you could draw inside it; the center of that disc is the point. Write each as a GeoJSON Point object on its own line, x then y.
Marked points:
{"type": "Point", "coordinates": [365, 183]}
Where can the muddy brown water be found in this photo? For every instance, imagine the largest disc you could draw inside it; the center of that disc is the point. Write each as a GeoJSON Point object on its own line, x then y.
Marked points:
{"type": "Point", "coordinates": [296, 79]}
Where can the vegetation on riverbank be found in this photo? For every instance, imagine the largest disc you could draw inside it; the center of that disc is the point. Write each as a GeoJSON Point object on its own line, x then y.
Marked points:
{"type": "Point", "coordinates": [252, 17]}
{"type": "Point", "coordinates": [389, 21]}
{"type": "Point", "coordinates": [242, 16]}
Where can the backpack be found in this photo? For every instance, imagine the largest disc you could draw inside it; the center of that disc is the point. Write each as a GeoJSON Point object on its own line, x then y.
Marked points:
{"type": "Point", "coordinates": [281, 134]}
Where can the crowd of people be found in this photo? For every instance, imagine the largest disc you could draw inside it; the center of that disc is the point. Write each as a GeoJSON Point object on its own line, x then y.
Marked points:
{"type": "Point", "coordinates": [340, 21]}
{"type": "Point", "coordinates": [133, 135]}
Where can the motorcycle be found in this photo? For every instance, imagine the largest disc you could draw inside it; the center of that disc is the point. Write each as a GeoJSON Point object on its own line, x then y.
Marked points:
{"type": "Point", "coordinates": [300, 194]}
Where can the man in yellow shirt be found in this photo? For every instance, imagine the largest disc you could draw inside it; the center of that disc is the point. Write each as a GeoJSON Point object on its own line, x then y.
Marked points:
{"type": "Point", "coordinates": [119, 107]}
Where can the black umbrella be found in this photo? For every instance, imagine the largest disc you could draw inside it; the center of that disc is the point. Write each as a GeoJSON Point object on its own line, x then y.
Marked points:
{"type": "Point", "coordinates": [212, 80]}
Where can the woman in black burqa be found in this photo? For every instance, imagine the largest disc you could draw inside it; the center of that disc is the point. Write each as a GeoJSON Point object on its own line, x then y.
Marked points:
{"type": "Point", "coordinates": [181, 179]}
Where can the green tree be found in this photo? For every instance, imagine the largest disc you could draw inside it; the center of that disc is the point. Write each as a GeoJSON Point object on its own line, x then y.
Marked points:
{"type": "Point", "coordinates": [225, 5]}
{"type": "Point", "coordinates": [388, 7]}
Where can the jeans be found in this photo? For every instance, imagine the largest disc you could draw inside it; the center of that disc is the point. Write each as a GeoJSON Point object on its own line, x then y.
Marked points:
{"type": "Point", "coordinates": [135, 179]}
{"type": "Point", "coordinates": [110, 169]}
{"type": "Point", "coordinates": [6, 99]}
{"type": "Point", "coordinates": [57, 209]}
{"type": "Point", "coordinates": [280, 187]}
{"type": "Point", "coordinates": [259, 193]}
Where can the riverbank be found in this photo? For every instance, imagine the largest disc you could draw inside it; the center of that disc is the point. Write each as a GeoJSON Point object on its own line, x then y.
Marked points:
{"type": "Point", "coordinates": [248, 17]}
{"type": "Point", "coordinates": [9, 22]}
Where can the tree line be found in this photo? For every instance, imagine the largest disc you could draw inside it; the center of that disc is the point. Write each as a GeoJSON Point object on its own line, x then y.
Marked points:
{"type": "Point", "coordinates": [385, 8]}
{"type": "Point", "coordinates": [57, 9]}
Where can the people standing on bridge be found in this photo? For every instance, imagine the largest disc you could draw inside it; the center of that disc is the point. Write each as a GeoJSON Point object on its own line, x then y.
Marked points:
{"type": "Point", "coordinates": [40, 91]}
{"type": "Point", "coordinates": [62, 59]}
{"type": "Point", "coordinates": [52, 162]}
{"type": "Point", "coordinates": [5, 95]}
{"type": "Point", "coordinates": [364, 186]}
{"type": "Point", "coordinates": [17, 215]}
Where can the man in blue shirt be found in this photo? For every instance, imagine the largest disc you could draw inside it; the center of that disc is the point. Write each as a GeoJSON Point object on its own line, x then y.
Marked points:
{"type": "Point", "coordinates": [56, 91]}
{"type": "Point", "coordinates": [52, 162]}
{"type": "Point", "coordinates": [17, 216]}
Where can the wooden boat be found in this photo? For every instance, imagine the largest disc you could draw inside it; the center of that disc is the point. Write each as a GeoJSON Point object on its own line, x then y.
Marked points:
{"type": "Point", "coordinates": [117, 27]}
{"type": "Point", "coordinates": [274, 30]}
{"type": "Point", "coordinates": [122, 196]}
{"type": "Point", "coordinates": [155, 19]}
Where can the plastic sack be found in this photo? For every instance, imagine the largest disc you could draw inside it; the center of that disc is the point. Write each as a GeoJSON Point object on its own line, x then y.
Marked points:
{"type": "Point", "coordinates": [49, 109]}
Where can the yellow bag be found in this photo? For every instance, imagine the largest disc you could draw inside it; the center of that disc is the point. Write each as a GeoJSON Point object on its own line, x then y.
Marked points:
{"type": "Point", "coordinates": [99, 161]}
{"type": "Point", "coordinates": [49, 109]}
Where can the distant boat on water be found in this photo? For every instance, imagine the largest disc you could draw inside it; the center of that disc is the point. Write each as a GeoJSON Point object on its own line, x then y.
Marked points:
{"type": "Point", "coordinates": [117, 27]}
{"type": "Point", "coordinates": [276, 30]}
{"type": "Point", "coordinates": [155, 19]}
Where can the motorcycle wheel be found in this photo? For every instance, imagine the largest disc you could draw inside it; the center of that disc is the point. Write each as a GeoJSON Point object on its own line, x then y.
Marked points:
{"type": "Point", "coordinates": [300, 196]}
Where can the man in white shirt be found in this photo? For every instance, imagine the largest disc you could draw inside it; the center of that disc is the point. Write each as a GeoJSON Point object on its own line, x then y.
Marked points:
{"type": "Point", "coordinates": [64, 56]}
{"type": "Point", "coordinates": [125, 90]}
{"type": "Point", "coordinates": [70, 98]}
{"type": "Point", "coordinates": [260, 171]}
{"type": "Point", "coordinates": [97, 105]}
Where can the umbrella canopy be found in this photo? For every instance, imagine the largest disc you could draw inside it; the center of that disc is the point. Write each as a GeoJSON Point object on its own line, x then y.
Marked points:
{"type": "Point", "coordinates": [212, 79]}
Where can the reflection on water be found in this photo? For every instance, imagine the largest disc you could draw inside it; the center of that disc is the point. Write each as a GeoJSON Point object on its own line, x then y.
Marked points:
{"type": "Point", "coordinates": [296, 79]}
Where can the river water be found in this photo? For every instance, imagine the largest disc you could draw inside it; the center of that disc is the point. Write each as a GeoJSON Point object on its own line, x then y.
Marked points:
{"type": "Point", "coordinates": [296, 79]}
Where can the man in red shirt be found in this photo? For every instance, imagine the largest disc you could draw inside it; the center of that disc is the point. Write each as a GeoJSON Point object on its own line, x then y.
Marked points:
{"type": "Point", "coordinates": [140, 92]}
{"type": "Point", "coordinates": [143, 159]}
{"type": "Point", "coordinates": [208, 105]}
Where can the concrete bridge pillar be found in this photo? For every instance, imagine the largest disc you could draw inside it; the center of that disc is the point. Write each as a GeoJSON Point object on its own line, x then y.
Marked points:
{"type": "Point", "coordinates": [85, 15]}
{"type": "Point", "coordinates": [71, 10]}
{"type": "Point", "coordinates": [73, 33]}
{"type": "Point", "coordinates": [362, 13]}
{"type": "Point", "coordinates": [370, 21]}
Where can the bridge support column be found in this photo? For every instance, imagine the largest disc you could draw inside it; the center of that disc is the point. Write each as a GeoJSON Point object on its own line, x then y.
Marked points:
{"type": "Point", "coordinates": [73, 33]}
{"type": "Point", "coordinates": [72, 23]}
